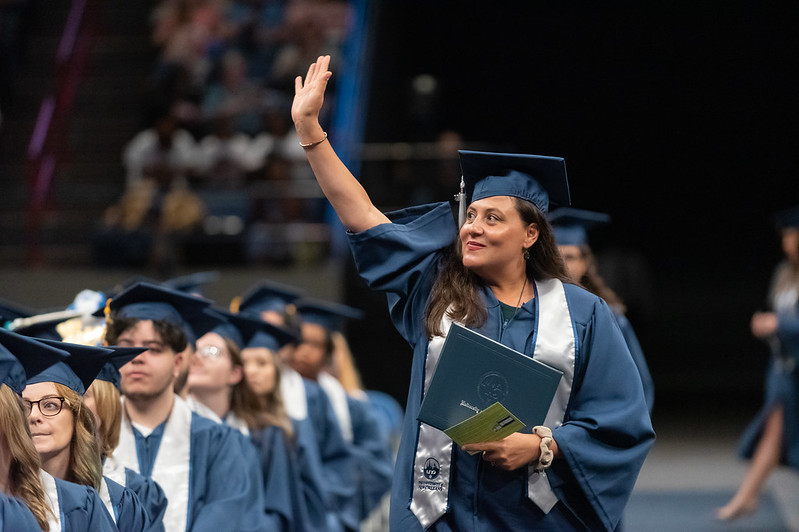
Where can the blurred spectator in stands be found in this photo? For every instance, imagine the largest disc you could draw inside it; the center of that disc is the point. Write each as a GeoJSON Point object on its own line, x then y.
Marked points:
{"type": "Point", "coordinates": [189, 33]}
{"type": "Point", "coordinates": [235, 95]}
{"type": "Point", "coordinates": [163, 153]}
{"type": "Point", "coordinates": [222, 156]}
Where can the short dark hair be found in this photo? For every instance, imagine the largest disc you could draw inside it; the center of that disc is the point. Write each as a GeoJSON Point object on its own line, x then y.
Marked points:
{"type": "Point", "coordinates": [172, 335]}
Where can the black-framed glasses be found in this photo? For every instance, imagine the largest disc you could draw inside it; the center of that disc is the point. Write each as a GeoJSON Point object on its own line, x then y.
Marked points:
{"type": "Point", "coordinates": [48, 406]}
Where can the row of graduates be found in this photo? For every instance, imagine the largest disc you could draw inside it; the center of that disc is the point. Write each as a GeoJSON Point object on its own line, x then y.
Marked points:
{"type": "Point", "coordinates": [194, 418]}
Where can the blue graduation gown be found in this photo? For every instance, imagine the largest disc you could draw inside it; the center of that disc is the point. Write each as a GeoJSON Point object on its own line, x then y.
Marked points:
{"type": "Point", "coordinates": [220, 478]}
{"type": "Point", "coordinates": [150, 495]}
{"type": "Point", "coordinates": [129, 513]}
{"type": "Point", "coordinates": [606, 432]}
{"type": "Point", "coordinates": [14, 515]}
{"type": "Point", "coordinates": [336, 456]}
{"type": "Point", "coordinates": [782, 384]}
{"type": "Point", "coordinates": [311, 475]}
{"type": "Point", "coordinates": [81, 509]}
{"type": "Point", "coordinates": [284, 502]}
{"type": "Point", "coordinates": [372, 450]}
{"type": "Point", "coordinates": [637, 353]}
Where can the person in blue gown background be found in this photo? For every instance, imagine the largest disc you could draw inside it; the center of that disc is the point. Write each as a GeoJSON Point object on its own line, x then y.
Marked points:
{"type": "Point", "coordinates": [64, 431]}
{"type": "Point", "coordinates": [571, 227]}
{"type": "Point", "coordinates": [772, 438]}
{"type": "Point", "coordinates": [504, 278]}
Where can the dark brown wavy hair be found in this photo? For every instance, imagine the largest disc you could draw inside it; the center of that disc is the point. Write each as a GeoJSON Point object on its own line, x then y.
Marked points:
{"type": "Point", "coordinates": [456, 290]}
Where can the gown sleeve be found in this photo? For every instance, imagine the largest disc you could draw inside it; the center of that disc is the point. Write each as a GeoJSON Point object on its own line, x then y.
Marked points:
{"type": "Point", "coordinates": [607, 432]}
{"type": "Point", "coordinates": [401, 258]}
{"type": "Point", "coordinates": [151, 496]}
{"type": "Point", "coordinates": [131, 515]}
{"type": "Point", "coordinates": [223, 479]}
{"type": "Point", "coordinates": [82, 509]}
{"type": "Point", "coordinates": [14, 515]}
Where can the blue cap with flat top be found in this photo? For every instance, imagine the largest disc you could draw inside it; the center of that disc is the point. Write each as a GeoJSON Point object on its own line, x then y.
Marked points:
{"type": "Point", "coordinates": [192, 283]}
{"type": "Point", "coordinates": [538, 179]}
{"type": "Point", "coordinates": [78, 370]}
{"type": "Point", "coordinates": [147, 301]}
{"type": "Point", "coordinates": [269, 295]}
{"type": "Point", "coordinates": [22, 357]}
{"type": "Point", "coordinates": [331, 316]}
{"type": "Point", "coordinates": [118, 357]}
{"type": "Point", "coordinates": [570, 226]}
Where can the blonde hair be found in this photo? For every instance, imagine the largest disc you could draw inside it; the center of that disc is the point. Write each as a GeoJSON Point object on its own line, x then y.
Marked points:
{"type": "Point", "coordinates": [344, 364]}
{"type": "Point", "coordinates": [109, 410]}
{"type": "Point", "coordinates": [85, 466]}
{"type": "Point", "coordinates": [24, 480]}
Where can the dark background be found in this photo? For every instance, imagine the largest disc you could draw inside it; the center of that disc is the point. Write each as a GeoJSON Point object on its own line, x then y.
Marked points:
{"type": "Point", "coordinates": [679, 119]}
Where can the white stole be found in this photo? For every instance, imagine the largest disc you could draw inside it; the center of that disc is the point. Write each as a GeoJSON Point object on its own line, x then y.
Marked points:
{"type": "Point", "coordinates": [55, 517]}
{"type": "Point", "coordinates": [105, 496]}
{"type": "Point", "coordinates": [172, 464]}
{"type": "Point", "coordinates": [292, 388]}
{"type": "Point", "coordinates": [338, 399]}
{"type": "Point", "coordinates": [114, 470]}
{"type": "Point", "coordinates": [554, 345]}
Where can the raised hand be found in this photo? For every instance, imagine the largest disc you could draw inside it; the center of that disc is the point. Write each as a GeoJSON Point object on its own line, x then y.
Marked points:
{"type": "Point", "coordinates": [310, 95]}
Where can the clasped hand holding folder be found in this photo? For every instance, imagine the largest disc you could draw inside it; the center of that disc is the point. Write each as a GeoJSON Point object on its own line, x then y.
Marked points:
{"type": "Point", "coordinates": [484, 391]}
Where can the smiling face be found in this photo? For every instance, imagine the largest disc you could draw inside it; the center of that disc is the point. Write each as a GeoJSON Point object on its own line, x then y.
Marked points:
{"type": "Point", "coordinates": [152, 373]}
{"type": "Point", "coordinates": [493, 238]}
{"type": "Point", "coordinates": [51, 435]}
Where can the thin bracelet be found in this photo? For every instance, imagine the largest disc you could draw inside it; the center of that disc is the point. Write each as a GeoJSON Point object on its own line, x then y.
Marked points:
{"type": "Point", "coordinates": [312, 144]}
{"type": "Point", "coordinates": [545, 459]}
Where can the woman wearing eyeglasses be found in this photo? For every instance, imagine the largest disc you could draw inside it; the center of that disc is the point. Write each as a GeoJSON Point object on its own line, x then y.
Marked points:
{"type": "Point", "coordinates": [22, 500]}
{"type": "Point", "coordinates": [64, 433]}
{"type": "Point", "coordinates": [216, 381]}
{"type": "Point", "coordinates": [57, 504]}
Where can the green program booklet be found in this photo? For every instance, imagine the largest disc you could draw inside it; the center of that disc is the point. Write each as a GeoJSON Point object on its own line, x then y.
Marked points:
{"type": "Point", "coordinates": [474, 372]}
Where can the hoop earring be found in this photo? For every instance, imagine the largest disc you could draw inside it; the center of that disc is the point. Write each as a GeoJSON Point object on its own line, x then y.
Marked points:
{"type": "Point", "coordinates": [526, 254]}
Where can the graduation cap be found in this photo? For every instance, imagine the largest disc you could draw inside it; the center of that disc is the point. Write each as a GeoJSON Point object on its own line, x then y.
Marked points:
{"type": "Point", "coordinates": [118, 357]}
{"type": "Point", "coordinates": [21, 357]}
{"type": "Point", "coordinates": [329, 315]}
{"type": "Point", "coordinates": [269, 295]}
{"type": "Point", "coordinates": [201, 323]}
{"type": "Point", "coordinates": [11, 311]}
{"type": "Point", "coordinates": [536, 178]}
{"type": "Point", "coordinates": [271, 337]}
{"type": "Point", "coordinates": [571, 226]}
{"type": "Point", "coordinates": [148, 301]}
{"type": "Point", "coordinates": [78, 370]}
{"type": "Point", "coordinates": [192, 283]}
{"type": "Point", "coordinates": [787, 218]}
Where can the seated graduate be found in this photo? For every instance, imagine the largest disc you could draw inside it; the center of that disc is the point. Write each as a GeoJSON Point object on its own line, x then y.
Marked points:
{"type": "Point", "coordinates": [69, 506]}
{"type": "Point", "coordinates": [312, 414]}
{"type": "Point", "coordinates": [216, 383]}
{"type": "Point", "coordinates": [570, 227]}
{"type": "Point", "coordinates": [66, 438]}
{"type": "Point", "coordinates": [103, 398]}
{"type": "Point", "coordinates": [321, 325]}
{"type": "Point", "coordinates": [499, 273]}
{"type": "Point", "coordinates": [23, 505]}
{"type": "Point", "coordinates": [197, 462]}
